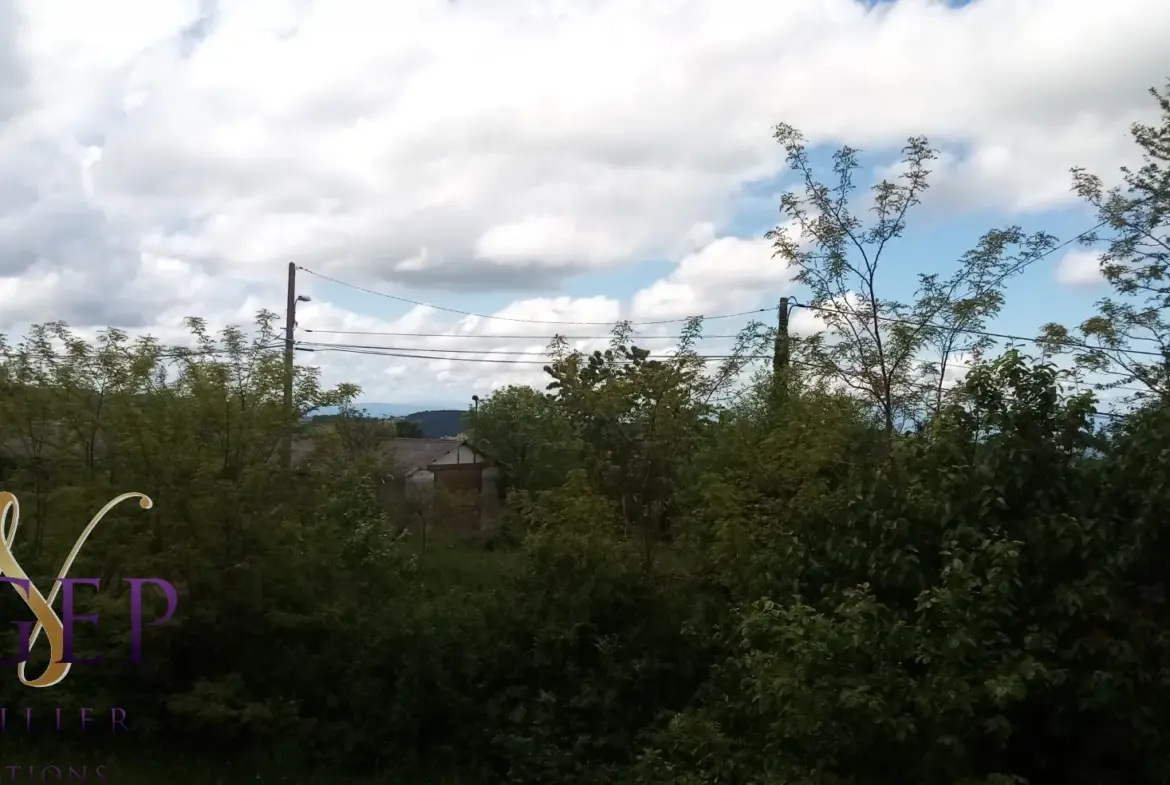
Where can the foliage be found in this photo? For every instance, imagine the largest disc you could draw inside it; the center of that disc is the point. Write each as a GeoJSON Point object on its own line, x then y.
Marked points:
{"type": "Point", "coordinates": [397, 428]}
{"type": "Point", "coordinates": [960, 615]}
{"type": "Point", "coordinates": [527, 434]}
{"type": "Point", "coordinates": [437, 424]}
{"type": "Point", "coordinates": [1130, 337]}
{"type": "Point", "coordinates": [702, 582]}
{"type": "Point", "coordinates": [872, 341]}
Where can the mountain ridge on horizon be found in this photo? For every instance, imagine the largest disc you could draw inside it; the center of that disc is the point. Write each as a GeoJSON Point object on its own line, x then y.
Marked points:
{"type": "Point", "coordinates": [382, 409]}
{"type": "Point", "coordinates": [434, 421]}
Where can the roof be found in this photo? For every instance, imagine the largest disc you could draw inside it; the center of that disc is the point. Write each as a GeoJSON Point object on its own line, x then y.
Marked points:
{"type": "Point", "coordinates": [407, 455]}
{"type": "Point", "coordinates": [411, 454]}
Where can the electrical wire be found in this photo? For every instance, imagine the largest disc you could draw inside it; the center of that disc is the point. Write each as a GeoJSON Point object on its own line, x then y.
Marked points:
{"type": "Point", "coordinates": [547, 339]}
{"type": "Point", "coordinates": [434, 354]}
{"type": "Point", "coordinates": [500, 337]}
{"type": "Point", "coordinates": [1032, 260]}
{"type": "Point", "coordinates": [375, 353]}
{"type": "Point", "coordinates": [515, 319]}
{"type": "Point", "coordinates": [177, 353]}
{"type": "Point", "coordinates": [793, 303]}
{"type": "Point", "coordinates": [968, 331]}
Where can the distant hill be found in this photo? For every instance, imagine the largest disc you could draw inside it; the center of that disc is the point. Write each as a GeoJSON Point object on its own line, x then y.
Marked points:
{"type": "Point", "coordinates": [435, 421]}
{"type": "Point", "coordinates": [438, 423]}
{"type": "Point", "coordinates": [396, 409]}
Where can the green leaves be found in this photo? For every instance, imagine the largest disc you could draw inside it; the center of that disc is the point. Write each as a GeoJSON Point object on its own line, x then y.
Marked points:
{"type": "Point", "coordinates": [1130, 336]}
{"type": "Point", "coordinates": [964, 608]}
{"type": "Point", "coordinates": [529, 436]}
{"type": "Point", "coordinates": [698, 591]}
{"type": "Point", "coordinates": [894, 354]}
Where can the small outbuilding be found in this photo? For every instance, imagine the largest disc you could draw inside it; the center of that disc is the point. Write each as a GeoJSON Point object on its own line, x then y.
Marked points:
{"type": "Point", "coordinates": [451, 481]}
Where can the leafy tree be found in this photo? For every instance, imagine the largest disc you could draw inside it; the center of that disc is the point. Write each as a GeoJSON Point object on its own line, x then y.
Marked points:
{"type": "Point", "coordinates": [949, 616]}
{"type": "Point", "coordinates": [1130, 337]}
{"type": "Point", "coordinates": [528, 435]}
{"type": "Point", "coordinates": [407, 429]}
{"type": "Point", "coordinates": [637, 419]}
{"type": "Point", "coordinates": [873, 341]}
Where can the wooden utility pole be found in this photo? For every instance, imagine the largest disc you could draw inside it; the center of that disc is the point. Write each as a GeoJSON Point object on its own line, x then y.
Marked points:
{"type": "Point", "coordinates": [781, 358]}
{"type": "Point", "coordinates": [290, 317]}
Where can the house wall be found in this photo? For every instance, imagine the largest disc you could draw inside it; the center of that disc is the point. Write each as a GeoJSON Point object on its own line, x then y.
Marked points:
{"type": "Point", "coordinates": [459, 491]}
{"type": "Point", "coordinates": [457, 496]}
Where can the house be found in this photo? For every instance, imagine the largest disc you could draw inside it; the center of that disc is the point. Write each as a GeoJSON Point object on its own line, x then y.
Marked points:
{"type": "Point", "coordinates": [439, 463]}
{"type": "Point", "coordinates": [451, 481]}
{"type": "Point", "coordinates": [446, 484]}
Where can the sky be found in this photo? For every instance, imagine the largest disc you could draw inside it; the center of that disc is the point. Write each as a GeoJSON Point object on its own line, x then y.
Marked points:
{"type": "Point", "coordinates": [554, 165]}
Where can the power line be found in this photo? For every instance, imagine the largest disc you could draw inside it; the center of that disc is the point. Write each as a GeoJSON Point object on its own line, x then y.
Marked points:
{"type": "Point", "coordinates": [411, 353]}
{"type": "Point", "coordinates": [528, 352]}
{"type": "Point", "coordinates": [356, 287]}
{"type": "Point", "coordinates": [1065, 244]}
{"type": "Point", "coordinates": [503, 337]}
{"type": "Point", "coordinates": [523, 352]}
{"type": "Point", "coordinates": [315, 346]}
{"type": "Point", "coordinates": [518, 320]}
{"type": "Point", "coordinates": [177, 353]}
{"type": "Point", "coordinates": [376, 353]}
{"type": "Point", "coordinates": [969, 331]}
{"type": "Point", "coordinates": [550, 338]}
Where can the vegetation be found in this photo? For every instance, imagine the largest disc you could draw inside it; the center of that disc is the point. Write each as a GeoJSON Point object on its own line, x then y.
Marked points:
{"type": "Point", "coordinates": [438, 424]}
{"type": "Point", "coordinates": [402, 428]}
{"type": "Point", "coordinates": [843, 570]}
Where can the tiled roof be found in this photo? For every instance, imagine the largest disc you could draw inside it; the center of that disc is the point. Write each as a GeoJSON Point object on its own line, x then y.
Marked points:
{"type": "Point", "coordinates": [406, 455]}
{"type": "Point", "coordinates": [411, 454]}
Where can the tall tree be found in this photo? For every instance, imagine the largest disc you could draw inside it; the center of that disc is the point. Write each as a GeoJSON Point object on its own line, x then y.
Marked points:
{"type": "Point", "coordinates": [1130, 336]}
{"type": "Point", "coordinates": [637, 418]}
{"type": "Point", "coordinates": [528, 435]}
{"type": "Point", "coordinates": [873, 342]}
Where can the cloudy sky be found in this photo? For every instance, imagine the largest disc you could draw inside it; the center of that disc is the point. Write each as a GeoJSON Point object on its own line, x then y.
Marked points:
{"type": "Point", "coordinates": [535, 161]}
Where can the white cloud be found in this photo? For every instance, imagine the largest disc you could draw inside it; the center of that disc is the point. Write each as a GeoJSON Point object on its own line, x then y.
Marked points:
{"type": "Point", "coordinates": [716, 278]}
{"type": "Point", "coordinates": [1079, 268]}
{"type": "Point", "coordinates": [171, 164]}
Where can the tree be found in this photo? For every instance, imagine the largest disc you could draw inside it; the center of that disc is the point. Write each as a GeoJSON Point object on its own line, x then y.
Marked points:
{"type": "Point", "coordinates": [637, 418]}
{"type": "Point", "coordinates": [528, 435]}
{"type": "Point", "coordinates": [1130, 336]}
{"type": "Point", "coordinates": [873, 341]}
{"type": "Point", "coordinates": [971, 607]}
{"type": "Point", "coordinates": [407, 429]}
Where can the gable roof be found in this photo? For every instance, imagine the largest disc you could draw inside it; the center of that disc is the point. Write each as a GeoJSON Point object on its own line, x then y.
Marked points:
{"type": "Point", "coordinates": [400, 454]}
{"type": "Point", "coordinates": [411, 454]}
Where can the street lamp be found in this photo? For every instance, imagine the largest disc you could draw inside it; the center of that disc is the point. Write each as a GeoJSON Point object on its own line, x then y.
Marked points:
{"type": "Point", "coordinates": [474, 416]}
{"type": "Point", "coordinates": [301, 298]}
